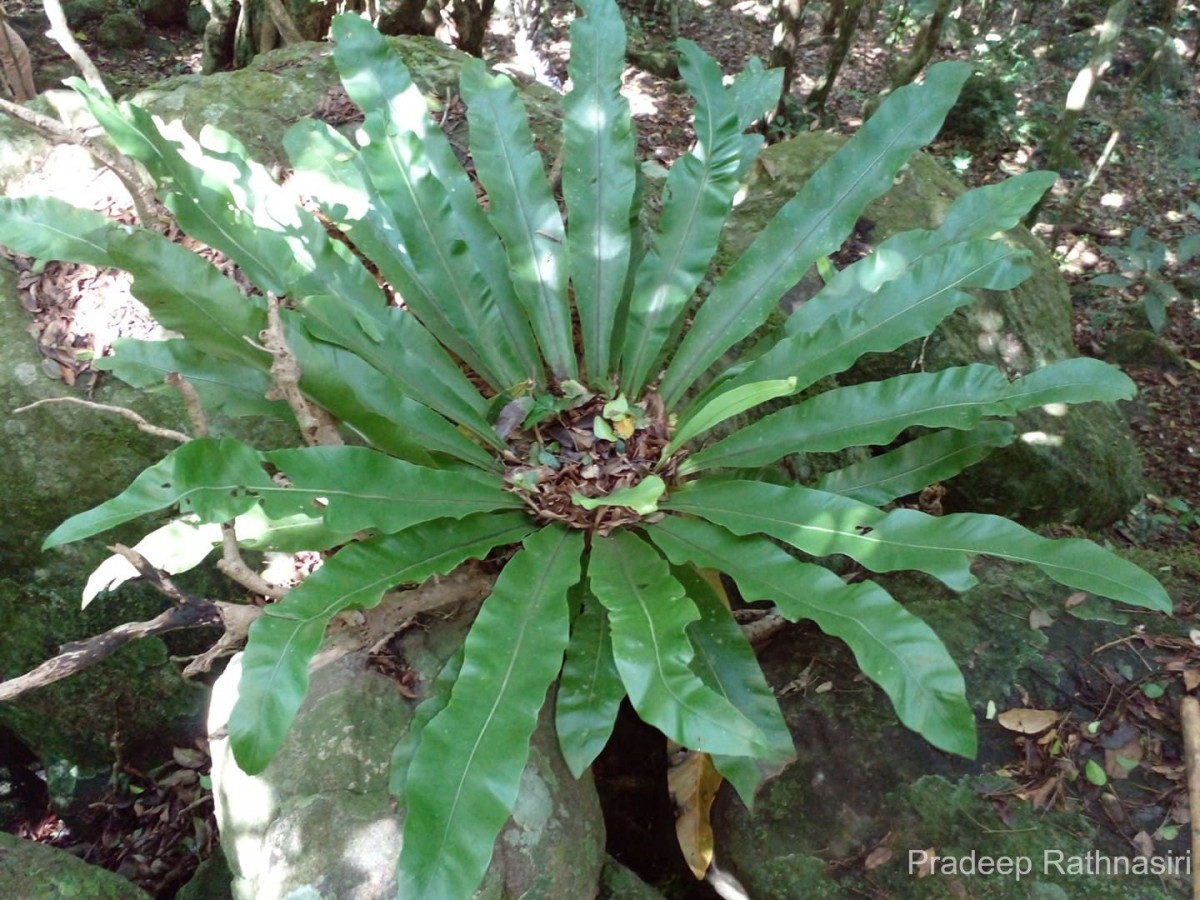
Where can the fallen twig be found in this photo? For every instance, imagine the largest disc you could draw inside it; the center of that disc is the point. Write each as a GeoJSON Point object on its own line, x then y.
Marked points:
{"type": "Point", "coordinates": [79, 655]}
{"type": "Point", "coordinates": [142, 424]}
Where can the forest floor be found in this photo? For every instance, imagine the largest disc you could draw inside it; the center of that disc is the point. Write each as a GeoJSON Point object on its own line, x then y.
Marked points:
{"type": "Point", "coordinates": [1129, 217]}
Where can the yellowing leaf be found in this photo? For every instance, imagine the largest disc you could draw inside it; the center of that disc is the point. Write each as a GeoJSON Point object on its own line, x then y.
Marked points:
{"type": "Point", "coordinates": [693, 784]}
{"type": "Point", "coordinates": [624, 428]}
{"type": "Point", "coordinates": [1028, 721]}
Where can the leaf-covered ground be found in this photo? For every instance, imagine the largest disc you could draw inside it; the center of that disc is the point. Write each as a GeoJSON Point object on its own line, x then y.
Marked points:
{"type": "Point", "coordinates": [154, 826]}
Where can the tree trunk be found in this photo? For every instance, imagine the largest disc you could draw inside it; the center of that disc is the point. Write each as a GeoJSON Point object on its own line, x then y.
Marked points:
{"type": "Point", "coordinates": [836, 9]}
{"type": "Point", "coordinates": [470, 18]}
{"type": "Point", "coordinates": [837, 53]}
{"type": "Point", "coordinates": [923, 47]}
{"type": "Point", "coordinates": [789, 19]}
{"type": "Point", "coordinates": [1058, 152]}
{"type": "Point", "coordinates": [922, 51]}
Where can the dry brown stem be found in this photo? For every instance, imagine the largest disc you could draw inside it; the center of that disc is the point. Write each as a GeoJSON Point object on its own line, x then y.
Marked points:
{"type": "Point", "coordinates": [317, 426]}
{"type": "Point", "coordinates": [234, 567]}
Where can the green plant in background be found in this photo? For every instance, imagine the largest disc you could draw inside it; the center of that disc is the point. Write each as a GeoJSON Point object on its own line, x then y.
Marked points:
{"type": "Point", "coordinates": [548, 395]}
{"type": "Point", "coordinates": [1142, 264]}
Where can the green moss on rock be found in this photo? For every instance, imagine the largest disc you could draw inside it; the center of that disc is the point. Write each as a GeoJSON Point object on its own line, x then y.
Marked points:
{"type": "Point", "coordinates": [30, 871]}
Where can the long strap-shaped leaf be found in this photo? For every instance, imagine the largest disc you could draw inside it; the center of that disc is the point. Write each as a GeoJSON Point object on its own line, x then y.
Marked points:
{"type": "Point", "coordinates": [904, 309]}
{"type": "Point", "coordinates": [211, 477]}
{"type": "Point", "coordinates": [285, 638]}
{"type": "Point", "coordinates": [521, 208]}
{"type": "Point", "coordinates": [821, 524]}
{"type": "Point", "coordinates": [358, 488]}
{"type": "Point", "coordinates": [331, 171]}
{"type": "Point", "coordinates": [599, 179]}
{"type": "Point", "coordinates": [699, 192]}
{"type": "Point", "coordinates": [436, 699]}
{"type": "Point", "coordinates": [649, 614]}
{"type": "Point", "coordinates": [755, 92]}
{"type": "Point", "coordinates": [816, 522]}
{"type": "Point", "coordinates": [369, 402]}
{"type": "Point", "coordinates": [876, 412]}
{"type": "Point", "coordinates": [813, 223]}
{"type": "Point", "coordinates": [976, 215]}
{"type": "Point", "coordinates": [590, 691]}
{"type": "Point", "coordinates": [465, 775]}
{"type": "Point", "coordinates": [870, 413]}
{"type": "Point", "coordinates": [1077, 380]}
{"type": "Point", "coordinates": [917, 464]}
{"type": "Point", "coordinates": [49, 228]}
{"type": "Point", "coordinates": [893, 647]}
{"type": "Point", "coordinates": [378, 81]}
{"type": "Point", "coordinates": [231, 203]}
{"type": "Point", "coordinates": [226, 387]}
{"type": "Point", "coordinates": [188, 294]}
{"type": "Point", "coordinates": [399, 346]}
{"type": "Point", "coordinates": [725, 661]}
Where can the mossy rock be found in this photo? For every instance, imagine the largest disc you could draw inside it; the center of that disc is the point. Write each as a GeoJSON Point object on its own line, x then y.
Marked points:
{"type": "Point", "coordinates": [121, 31]}
{"type": "Point", "coordinates": [327, 791]}
{"type": "Point", "coordinates": [61, 459]}
{"type": "Point", "coordinates": [30, 871]}
{"type": "Point", "coordinates": [85, 12]}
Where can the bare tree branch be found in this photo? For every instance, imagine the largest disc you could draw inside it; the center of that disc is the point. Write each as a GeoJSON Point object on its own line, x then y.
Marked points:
{"type": "Point", "coordinates": [191, 402]}
{"type": "Point", "coordinates": [143, 197]}
{"type": "Point", "coordinates": [79, 655]}
{"type": "Point", "coordinates": [60, 32]}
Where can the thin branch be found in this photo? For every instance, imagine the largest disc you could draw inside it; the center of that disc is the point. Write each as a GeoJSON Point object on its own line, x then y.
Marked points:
{"type": "Point", "coordinates": [60, 32]}
{"type": "Point", "coordinates": [317, 426]}
{"type": "Point", "coordinates": [142, 424]}
{"type": "Point", "coordinates": [234, 567]}
{"type": "Point", "coordinates": [156, 578]}
{"type": "Point", "coordinates": [143, 197]}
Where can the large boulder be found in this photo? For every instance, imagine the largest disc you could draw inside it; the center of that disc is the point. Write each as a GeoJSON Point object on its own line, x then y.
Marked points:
{"type": "Point", "coordinates": [1079, 465]}
{"type": "Point", "coordinates": [32, 871]}
{"type": "Point", "coordinates": [60, 459]}
{"type": "Point", "coordinates": [320, 821]}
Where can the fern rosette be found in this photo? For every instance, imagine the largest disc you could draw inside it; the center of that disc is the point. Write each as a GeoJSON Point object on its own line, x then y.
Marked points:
{"type": "Point", "coordinates": [536, 377]}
